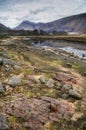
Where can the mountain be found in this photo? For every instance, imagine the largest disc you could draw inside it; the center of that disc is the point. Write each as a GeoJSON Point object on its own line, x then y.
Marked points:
{"type": "Point", "coordinates": [27, 25]}
{"type": "Point", "coordinates": [3, 28]}
{"type": "Point", "coordinates": [75, 23]}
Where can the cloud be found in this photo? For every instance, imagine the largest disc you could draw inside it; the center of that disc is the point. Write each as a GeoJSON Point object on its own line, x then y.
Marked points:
{"type": "Point", "coordinates": [12, 12]}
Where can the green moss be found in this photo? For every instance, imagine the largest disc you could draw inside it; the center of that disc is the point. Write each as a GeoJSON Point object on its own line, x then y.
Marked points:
{"type": "Point", "coordinates": [12, 119]}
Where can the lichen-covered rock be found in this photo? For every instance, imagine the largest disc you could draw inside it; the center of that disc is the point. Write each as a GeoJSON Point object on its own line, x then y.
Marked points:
{"type": "Point", "coordinates": [50, 83]}
{"type": "Point", "coordinates": [35, 112]}
{"type": "Point", "coordinates": [14, 81]}
{"type": "Point", "coordinates": [8, 62]}
{"type": "Point", "coordinates": [3, 123]}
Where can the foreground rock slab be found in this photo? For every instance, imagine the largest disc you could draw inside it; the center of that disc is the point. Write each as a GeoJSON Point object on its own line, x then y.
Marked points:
{"type": "Point", "coordinates": [36, 112]}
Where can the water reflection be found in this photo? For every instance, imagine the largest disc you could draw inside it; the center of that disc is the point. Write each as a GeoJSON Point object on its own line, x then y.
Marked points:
{"type": "Point", "coordinates": [77, 48]}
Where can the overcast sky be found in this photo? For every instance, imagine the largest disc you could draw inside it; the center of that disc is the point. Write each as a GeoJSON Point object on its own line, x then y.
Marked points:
{"type": "Point", "coordinates": [12, 12]}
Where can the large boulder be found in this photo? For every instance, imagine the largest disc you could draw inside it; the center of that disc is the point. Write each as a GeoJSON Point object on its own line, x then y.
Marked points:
{"type": "Point", "coordinates": [14, 81]}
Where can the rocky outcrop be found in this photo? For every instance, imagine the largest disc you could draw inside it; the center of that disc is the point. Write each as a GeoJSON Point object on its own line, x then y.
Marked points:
{"type": "Point", "coordinates": [36, 112]}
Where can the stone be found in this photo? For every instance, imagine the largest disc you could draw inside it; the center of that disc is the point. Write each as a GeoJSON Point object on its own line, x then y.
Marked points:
{"type": "Point", "coordinates": [16, 67]}
{"type": "Point", "coordinates": [67, 86]}
{"type": "Point", "coordinates": [50, 83]}
{"type": "Point", "coordinates": [69, 65]}
{"type": "Point", "coordinates": [14, 81]}
{"type": "Point", "coordinates": [3, 123]}
{"type": "Point", "coordinates": [1, 88]}
{"type": "Point", "coordinates": [3, 53]}
{"type": "Point", "coordinates": [74, 94]}
{"type": "Point", "coordinates": [8, 68]}
{"type": "Point", "coordinates": [64, 96]}
{"type": "Point", "coordinates": [8, 62]}
{"type": "Point", "coordinates": [1, 61]}
{"type": "Point", "coordinates": [58, 85]}
{"type": "Point", "coordinates": [42, 79]}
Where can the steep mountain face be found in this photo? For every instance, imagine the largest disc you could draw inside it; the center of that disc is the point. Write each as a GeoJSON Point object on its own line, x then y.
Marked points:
{"type": "Point", "coordinates": [3, 28]}
{"type": "Point", "coordinates": [75, 23]}
{"type": "Point", "coordinates": [27, 25]}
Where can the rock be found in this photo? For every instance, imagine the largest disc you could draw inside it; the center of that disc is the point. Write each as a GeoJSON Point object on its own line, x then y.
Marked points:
{"type": "Point", "coordinates": [69, 65]}
{"type": "Point", "coordinates": [64, 96]}
{"type": "Point", "coordinates": [74, 94]}
{"type": "Point", "coordinates": [1, 61]}
{"type": "Point", "coordinates": [58, 85]}
{"type": "Point", "coordinates": [8, 68]}
{"type": "Point", "coordinates": [35, 112]}
{"type": "Point", "coordinates": [42, 79]}
{"type": "Point", "coordinates": [1, 88]}
{"type": "Point", "coordinates": [67, 86]}
{"type": "Point", "coordinates": [3, 123]}
{"type": "Point", "coordinates": [16, 67]}
{"type": "Point", "coordinates": [3, 54]}
{"type": "Point", "coordinates": [50, 83]}
{"type": "Point", "coordinates": [8, 62]}
{"type": "Point", "coordinates": [14, 81]}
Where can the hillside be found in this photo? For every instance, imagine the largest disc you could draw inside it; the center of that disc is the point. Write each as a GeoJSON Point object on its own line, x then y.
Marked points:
{"type": "Point", "coordinates": [3, 28]}
{"type": "Point", "coordinates": [75, 23]}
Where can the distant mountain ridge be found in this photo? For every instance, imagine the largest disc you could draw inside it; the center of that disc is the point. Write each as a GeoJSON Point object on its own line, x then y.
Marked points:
{"type": "Point", "coordinates": [27, 25]}
{"type": "Point", "coordinates": [75, 23]}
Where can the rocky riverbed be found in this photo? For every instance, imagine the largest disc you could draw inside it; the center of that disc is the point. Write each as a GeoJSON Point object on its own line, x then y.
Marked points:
{"type": "Point", "coordinates": [40, 88]}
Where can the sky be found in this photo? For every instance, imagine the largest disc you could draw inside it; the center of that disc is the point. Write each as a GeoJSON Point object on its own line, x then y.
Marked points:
{"type": "Point", "coordinates": [13, 12]}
